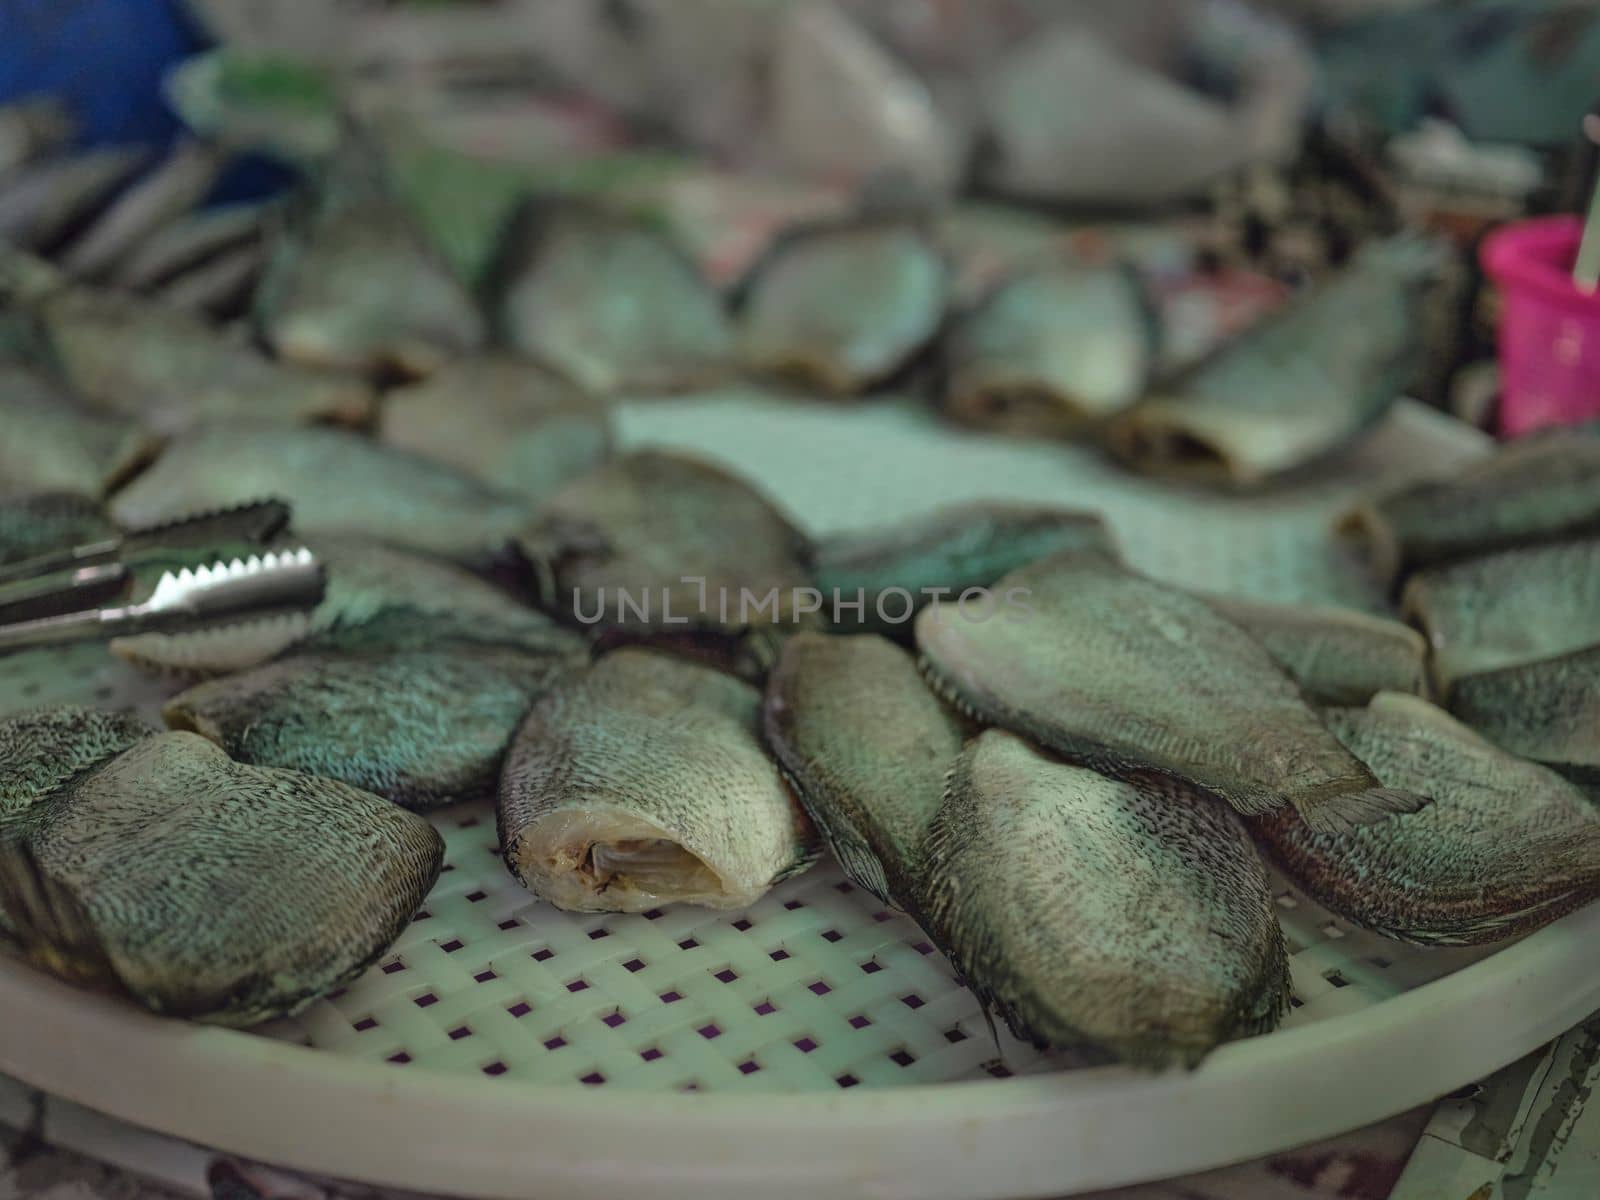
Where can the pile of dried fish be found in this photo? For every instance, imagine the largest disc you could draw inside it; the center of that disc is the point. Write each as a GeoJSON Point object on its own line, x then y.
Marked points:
{"type": "Point", "coordinates": [670, 690]}
{"type": "Point", "coordinates": [1498, 568]}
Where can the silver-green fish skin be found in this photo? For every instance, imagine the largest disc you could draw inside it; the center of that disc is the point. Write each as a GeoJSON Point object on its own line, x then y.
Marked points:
{"type": "Point", "coordinates": [52, 443]}
{"type": "Point", "coordinates": [1508, 608]}
{"type": "Point", "coordinates": [642, 781]}
{"type": "Point", "coordinates": [116, 880]}
{"type": "Point", "coordinates": [1336, 655]}
{"type": "Point", "coordinates": [866, 747]}
{"type": "Point", "coordinates": [423, 727]}
{"type": "Point", "coordinates": [48, 521]}
{"type": "Point", "coordinates": [841, 307]}
{"type": "Point", "coordinates": [609, 301]}
{"type": "Point", "coordinates": [48, 200]}
{"type": "Point", "coordinates": [1050, 351]}
{"type": "Point", "coordinates": [1130, 917]}
{"type": "Point", "coordinates": [654, 523]}
{"type": "Point", "coordinates": [164, 193]}
{"type": "Point", "coordinates": [1548, 711]}
{"type": "Point", "coordinates": [1301, 385]}
{"type": "Point", "coordinates": [353, 286]}
{"type": "Point", "coordinates": [189, 242]}
{"type": "Point", "coordinates": [1125, 674]}
{"type": "Point", "coordinates": [1539, 488]}
{"type": "Point", "coordinates": [378, 597]}
{"type": "Point", "coordinates": [337, 482]}
{"type": "Point", "coordinates": [951, 550]}
{"type": "Point", "coordinates": [1506, 846]}
{"type": "Point", "coordinates": [506, 421]}
{"type": "Point", "coordinates": [173, 371]}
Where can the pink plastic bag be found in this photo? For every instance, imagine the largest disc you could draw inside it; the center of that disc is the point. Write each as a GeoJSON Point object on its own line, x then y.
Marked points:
{"type": "Point", "coordinates": [1549, 330]}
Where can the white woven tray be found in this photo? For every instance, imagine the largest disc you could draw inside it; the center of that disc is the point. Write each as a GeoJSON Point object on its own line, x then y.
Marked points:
{"type": "Point", "coordinates": [815, 1044]}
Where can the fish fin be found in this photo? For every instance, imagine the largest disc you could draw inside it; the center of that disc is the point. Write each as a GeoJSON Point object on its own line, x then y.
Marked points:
{"type": "Point", "coordinates": [49, 924]}
{"type": "Point", "coordinates": [848, 850]}
{"type": "Point", "coordinates": [1344, 813]}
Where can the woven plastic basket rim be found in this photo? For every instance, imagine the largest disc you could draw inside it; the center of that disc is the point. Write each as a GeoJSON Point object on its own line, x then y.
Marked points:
{"type": "Point", "coordinates": [279, 1101]}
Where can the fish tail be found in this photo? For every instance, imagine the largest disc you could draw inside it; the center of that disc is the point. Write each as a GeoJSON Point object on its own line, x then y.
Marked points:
{"type": "Point", "coordinates": [1342, 812]}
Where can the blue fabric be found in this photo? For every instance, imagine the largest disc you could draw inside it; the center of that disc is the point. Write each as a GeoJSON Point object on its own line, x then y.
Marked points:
{"type": "Point", "coordinates": [105, 60]}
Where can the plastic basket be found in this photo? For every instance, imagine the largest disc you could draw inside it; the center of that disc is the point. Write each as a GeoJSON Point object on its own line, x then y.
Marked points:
{"type": "Point", "coordinates": [1549, 330]}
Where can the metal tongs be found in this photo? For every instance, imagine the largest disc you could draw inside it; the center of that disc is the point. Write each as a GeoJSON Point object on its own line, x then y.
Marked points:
{"type": "Point", "coordinates": [80, 594]}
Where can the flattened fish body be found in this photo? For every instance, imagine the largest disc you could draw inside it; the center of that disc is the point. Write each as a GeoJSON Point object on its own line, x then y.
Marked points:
{"type": "Point", "coordinates": [842, 307]}
{"type": "Point", "coordinates": [1336, 655]}
{"type": "Point", "coordinates": [867, 747]}
{"type": "Point", "coordinates": [422, 727]}
{"type": "Point", "coordinates": [610, 302]}
{"type": "Point", "coordinates": [206, 889]}
{"type": "Point", "coordinates": [38, 524]}
{"type": "Point", "coordinates": [654, 524]}
{"type": "Point", "coordinates": [51, 444]}
{"type": "Point", "coordinates": [1547, 710]}
{"type": "Point", "coordinates": [511, 424]}
{"type": "Point", "coordinates": [354, 286]}
{"type": "Point", "coordinates": [338, 482]}
{"type": "Point", "coordinates": [1542, 487]}
{"type": "Point", "coordinates": [1508, 608]}
{"type": "Point", "coordinates": [953, 549]}
{"type": "Point", "coordinates": [1051, 350]}
{"type": "Point", "coordinates": [1298, 386]}
{"type": "Point", "coordinates": [642, 781]}
{"type": "Point", "coordinates": [377, 598]}
{"type": "Point", "coordinates": [172, 371]}
{"type": "Point", "coordinates": [1131, 917]}
{"type": "Point", "coordinates": [43, 749]}
{"type": "Point", "coordinates": [1505, 847]}
{"type": "Point", "coordinates": [1125, 674]}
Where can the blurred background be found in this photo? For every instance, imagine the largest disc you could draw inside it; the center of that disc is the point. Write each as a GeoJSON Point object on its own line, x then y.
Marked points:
{"type": "Point", "coordinates": [1233, 150]}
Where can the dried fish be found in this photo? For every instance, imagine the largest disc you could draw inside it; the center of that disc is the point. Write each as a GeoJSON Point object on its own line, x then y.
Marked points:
{"type": "Point", "coordinates": [52, 444]}
{"type": "Point", "coordinates": [353, 286]}
{"type": "Point", "coordinates": [1508, 608]}
{"type": "Point", "coordinates": [172, 371]}
{"type": "Point", "coordinates": [505, 421]}
{"type": "Point", "coordinates": [337, 482]}
{"type": "Point", "coordinates": [1050, 350]}
{"type": "Point", "coordinates": [892, 571]}
{"type": "Point", "coordinates": [1131, 917]}
{"type": "Point", "coordinates": [1336, 655]}
{"type": "Point", "coordinates": [1127, 675]}
{"type": "Point", "coordinates": [1538, 488]}
{"type": "Point", "coordinates": [115, 877]}
{"type": "Point", "coordinates": [642, 781]}
{"type": "Point", "coordinates": [1505, 847]}
{"type": "Point", "coordinates": [664, 543]}
{"type": "Point", "coordinates": [1296, 387]}
{"type": "Point", "coordinates": [422, 726]}
{"type": "Point", "coordinates": [611, 302]}
{"type": "Point", "coordinates": [866, 747]}
{"type": "Point", "coordinates": [843, 306]}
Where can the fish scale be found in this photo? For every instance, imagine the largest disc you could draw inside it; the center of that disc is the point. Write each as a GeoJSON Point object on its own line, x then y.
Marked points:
{"type": "Point", "coordinates": [1056, 890]}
